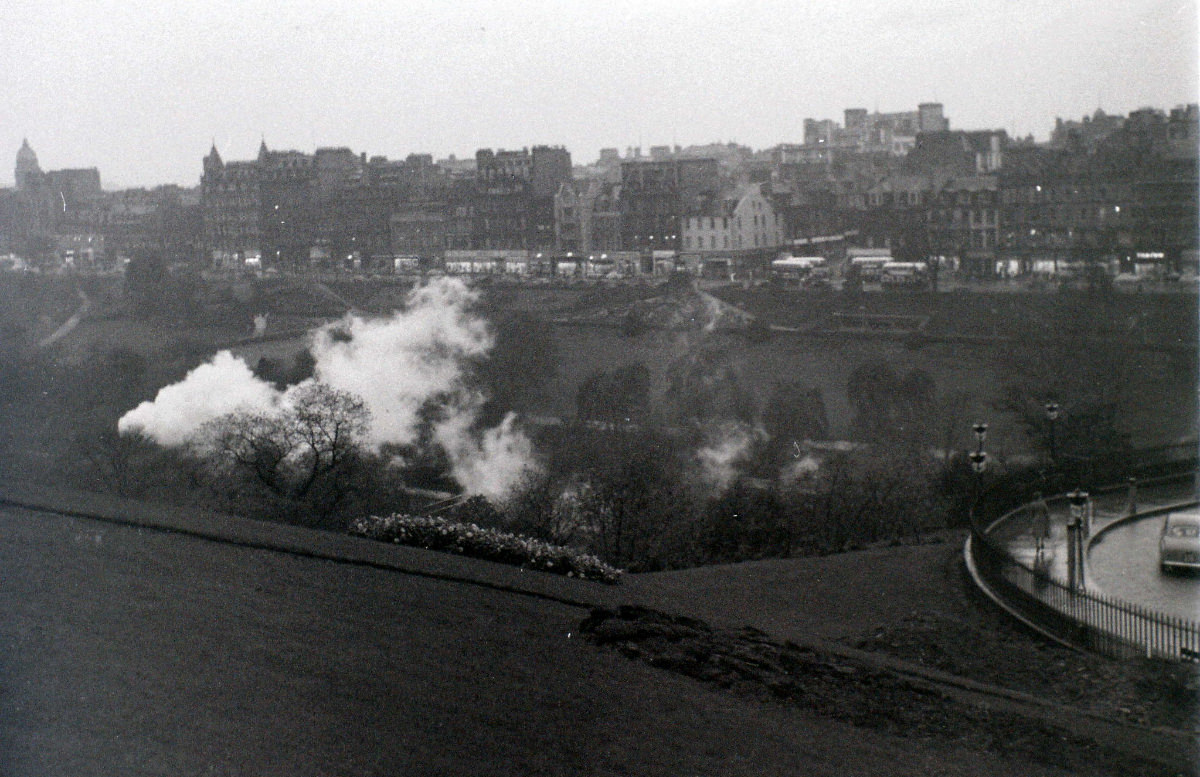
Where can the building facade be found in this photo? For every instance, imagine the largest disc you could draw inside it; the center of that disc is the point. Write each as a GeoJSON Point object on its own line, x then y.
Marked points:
{"type": "Point", "coordinates": [655, 195]}
{"type": "Point", "coordinates": [737, 233]}
{"type": "Point", "coordinates": [514, 197]}
{"type": "Point", "coordinates": [963, 222]}
{"type": "Point", "coordinates": [232, 208]}
{"type": "Point", "coordinates": [64, 219]}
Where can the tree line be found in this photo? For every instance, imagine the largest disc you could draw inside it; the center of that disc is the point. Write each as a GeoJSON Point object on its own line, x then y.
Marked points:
{"type": "Point", "coordinates": [621, 477]}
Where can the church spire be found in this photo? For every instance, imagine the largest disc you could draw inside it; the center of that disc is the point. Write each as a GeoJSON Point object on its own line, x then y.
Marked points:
{"type": "Point", "coordinates": [213, 160]}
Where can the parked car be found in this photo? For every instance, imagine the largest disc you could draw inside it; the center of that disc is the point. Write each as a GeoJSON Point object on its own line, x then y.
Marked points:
{"type": "Point", "coordinates": [1179, 545]}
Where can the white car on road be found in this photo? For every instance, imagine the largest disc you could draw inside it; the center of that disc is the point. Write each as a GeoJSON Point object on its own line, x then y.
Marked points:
{"type": "Point", "coordinates": [1179, 545]}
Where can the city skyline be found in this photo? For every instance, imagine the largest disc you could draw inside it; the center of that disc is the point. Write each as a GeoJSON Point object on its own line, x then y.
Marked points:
{"type": "Point", "coordinates": [141, 94]}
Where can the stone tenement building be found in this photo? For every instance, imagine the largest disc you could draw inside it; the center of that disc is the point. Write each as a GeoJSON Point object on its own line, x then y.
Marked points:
{"type": "Point", "coordinates": [655, 195]}
{"type": "Point", "coordinates": [229, 199]}
{"type": "Point", "coordinates": [513, 203]}
{"type": "Point", "coordinates": [1116, 191]}
{"type": "Point", "coordinates": [976, 200]}
{"type": "Point", "coordinates": [290, 209]}
{"type": "Point", "coordinates": [62, 218]}
{"type": "Point", "coordinates": [736, 232]}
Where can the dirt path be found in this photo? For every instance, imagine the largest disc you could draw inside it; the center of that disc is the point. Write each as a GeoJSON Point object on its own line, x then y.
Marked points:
{"type": "Point", "coordinates": [69, 325]}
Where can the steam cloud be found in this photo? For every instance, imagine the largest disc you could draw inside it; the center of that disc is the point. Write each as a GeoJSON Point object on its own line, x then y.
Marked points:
{"type": "Point", "coordinates": [406, 368]}
{"type": "Point", "coordinates": [221, 386]}
{"type": "Point", "coordinates": [491, 465]}
{"type": "Point", "coordinates": [728, 445]}
{"type": "Point", "coordinates": [808, 465]}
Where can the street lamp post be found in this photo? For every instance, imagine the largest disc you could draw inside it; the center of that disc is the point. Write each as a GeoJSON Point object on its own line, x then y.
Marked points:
{"type": "Point", "coordinates": [1052, 416]}
{"type": "Point", "coordinates": [1077, 530]}
{"type": "Point", "coordinates": [1081, 508]}
{"type": "Point", "coordinates": [980, 430]}
{"type": "Point", "coordinates": [979, 464]}
{"type": "Point", "coordinates": [978, 459]}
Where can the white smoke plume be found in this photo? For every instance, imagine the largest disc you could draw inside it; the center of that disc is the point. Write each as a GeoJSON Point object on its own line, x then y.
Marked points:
{"type": "Point", "coordinates": [800, 468]}
{"type": "Point", "coordinates": [490, 463]}
{"type": "Point", "coordinates": [222, 385]}
{"type": "Point", "coordinates": [728, 445]}
{"type": "Point", "coordinates": [399, 366]}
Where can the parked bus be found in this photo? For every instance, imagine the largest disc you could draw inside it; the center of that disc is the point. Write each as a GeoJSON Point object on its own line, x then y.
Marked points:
{"type": "Point", "coordinates": [910, 275]}
{"type": "Point", "coordinates": [800, 270]}
{"type": "Point", "coordinates": [870, 268]}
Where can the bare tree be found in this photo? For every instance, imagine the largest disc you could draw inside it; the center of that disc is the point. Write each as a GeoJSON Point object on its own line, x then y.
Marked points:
{"type": "Point", "coordinates": [111, 461]}
{"type": "Point", "coordinates": [308, 454]}
{"type": "Point", "coordinates": [864, 497]}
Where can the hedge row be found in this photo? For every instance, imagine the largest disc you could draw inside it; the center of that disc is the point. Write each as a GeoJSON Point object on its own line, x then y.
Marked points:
{"type": "Point", "coordinates": [469, 539]}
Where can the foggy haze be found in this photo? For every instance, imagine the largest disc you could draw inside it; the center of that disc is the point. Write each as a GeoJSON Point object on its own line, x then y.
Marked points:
{"type": "Point", "coordinates": [141, 91]}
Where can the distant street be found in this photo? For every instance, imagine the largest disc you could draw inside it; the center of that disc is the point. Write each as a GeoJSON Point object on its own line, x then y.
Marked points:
{"type": "Point", "coordinates": [1124, 563]}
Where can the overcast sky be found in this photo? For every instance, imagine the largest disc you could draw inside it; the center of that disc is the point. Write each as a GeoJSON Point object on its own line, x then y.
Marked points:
{"type": "Point", "coordinates": [141, 88]}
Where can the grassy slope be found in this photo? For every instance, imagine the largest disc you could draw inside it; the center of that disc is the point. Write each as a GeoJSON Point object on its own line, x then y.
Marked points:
{"type": "Point", "coordinates": [138, 653]}
{"type": "Point", "coordinates": [833, 597]}
{"type": "Point", "coordinates": [915, 603]}
{"type": "Point", "coordinates": [1169, 316]}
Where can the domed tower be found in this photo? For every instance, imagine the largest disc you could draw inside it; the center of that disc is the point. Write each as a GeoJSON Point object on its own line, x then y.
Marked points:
{"type": "Point", "coordinates": [28, 173]}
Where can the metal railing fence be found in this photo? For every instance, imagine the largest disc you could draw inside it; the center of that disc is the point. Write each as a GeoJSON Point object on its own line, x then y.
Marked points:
{"type": "Point", "coordinates": [1091, 620]}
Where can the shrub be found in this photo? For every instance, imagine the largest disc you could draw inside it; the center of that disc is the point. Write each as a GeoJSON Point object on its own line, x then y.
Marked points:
{"type": "Point", "coordinates": [469, 539]}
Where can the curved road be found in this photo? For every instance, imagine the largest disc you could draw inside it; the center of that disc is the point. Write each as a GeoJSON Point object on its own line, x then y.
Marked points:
{"type": "Point", "coordinates": [1114, 566]}
{"type": "Point", "coordinates": [1123, 562]}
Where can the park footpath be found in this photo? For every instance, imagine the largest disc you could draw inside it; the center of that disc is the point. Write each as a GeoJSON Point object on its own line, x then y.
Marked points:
{"type": "Point", "coordinates": [723, 599]}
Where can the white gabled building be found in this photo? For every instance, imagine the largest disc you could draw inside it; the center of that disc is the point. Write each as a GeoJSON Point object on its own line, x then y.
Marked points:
{"type": "Point", "coordinates": [734, 229]}
{"type": "Point", "coordinates": [743, 220]}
